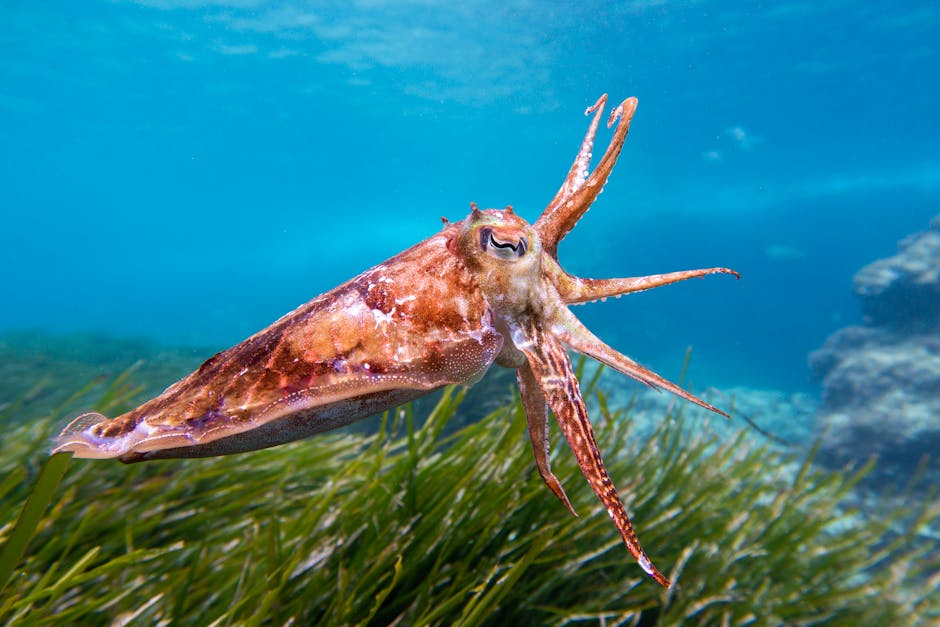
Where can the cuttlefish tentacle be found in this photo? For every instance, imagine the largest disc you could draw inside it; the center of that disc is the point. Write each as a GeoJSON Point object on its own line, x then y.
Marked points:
{"type": "Point", "coordinates": [552, 369]}
{"type": "Point", "coordinates": [567, 328]}
{"type": "Point", "coordinates": [536, 415]}
{"type": "Point", "coordinates": [564, 212]}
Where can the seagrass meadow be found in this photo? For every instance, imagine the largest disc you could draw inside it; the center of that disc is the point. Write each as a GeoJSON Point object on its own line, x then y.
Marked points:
{"type": "Point", "coordinates": [421, 519]}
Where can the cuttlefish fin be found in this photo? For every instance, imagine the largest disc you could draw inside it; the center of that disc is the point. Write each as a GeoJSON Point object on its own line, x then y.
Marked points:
{"type": "Point", "coordinates": [75, 438]}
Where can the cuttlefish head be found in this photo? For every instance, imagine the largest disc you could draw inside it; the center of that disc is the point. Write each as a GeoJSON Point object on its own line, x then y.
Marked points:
{"type": "Point", "coordinates": [504, 252]}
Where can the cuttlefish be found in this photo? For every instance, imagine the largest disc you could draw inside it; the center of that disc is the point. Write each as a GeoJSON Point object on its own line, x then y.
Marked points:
{"type": "Point", "coordinates": [487, 289]}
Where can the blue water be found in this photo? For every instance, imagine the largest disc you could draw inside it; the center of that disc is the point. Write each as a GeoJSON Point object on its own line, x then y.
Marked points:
{"type": "Point", "coordinates": [189, 171]}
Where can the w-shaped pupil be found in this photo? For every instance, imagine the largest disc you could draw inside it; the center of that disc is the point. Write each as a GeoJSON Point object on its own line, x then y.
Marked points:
{"type": "Point", "coordinates": [518, 248]}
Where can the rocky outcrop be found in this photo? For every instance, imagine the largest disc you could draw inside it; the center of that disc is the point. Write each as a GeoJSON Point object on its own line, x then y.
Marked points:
{"type": "Point", "coordinates": [881, 380]}
{"type": "Point", "coordinates": [903, 292]}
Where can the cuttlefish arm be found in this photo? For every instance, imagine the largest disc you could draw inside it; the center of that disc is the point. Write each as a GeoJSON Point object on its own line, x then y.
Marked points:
{"type": "Point", "coordinates": [576, 336]}
{"type": "Point", "coordinates": [581, 188]}
{"type": "Point", "coordinates": [533, 400]}
{"type": "Point", "coordinates": [575, 290]}
{"type": "Point", "coordinates": [551, 367]}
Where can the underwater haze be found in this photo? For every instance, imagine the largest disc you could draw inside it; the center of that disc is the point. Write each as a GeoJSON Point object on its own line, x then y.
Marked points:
{"type": "Point", "coordinates": [188, 171]}
{"type": "Point", "coordinates": [176, 175]}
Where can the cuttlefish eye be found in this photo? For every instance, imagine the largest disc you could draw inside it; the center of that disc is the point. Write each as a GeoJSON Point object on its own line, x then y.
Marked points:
{"type": "Point", "coordinates": [510, 249]}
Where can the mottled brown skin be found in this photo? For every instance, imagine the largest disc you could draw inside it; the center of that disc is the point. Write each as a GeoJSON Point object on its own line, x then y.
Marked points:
{"type": "Point", "coordinates": [486, 289]}
{"type": "Point", "coordinates": [338, 356]}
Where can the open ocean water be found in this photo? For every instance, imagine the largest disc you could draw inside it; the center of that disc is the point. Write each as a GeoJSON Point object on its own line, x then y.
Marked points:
{"type": "Point", "coordinates": [184, 172]}
{"type": "Point", "coordinates": [189, 171]}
